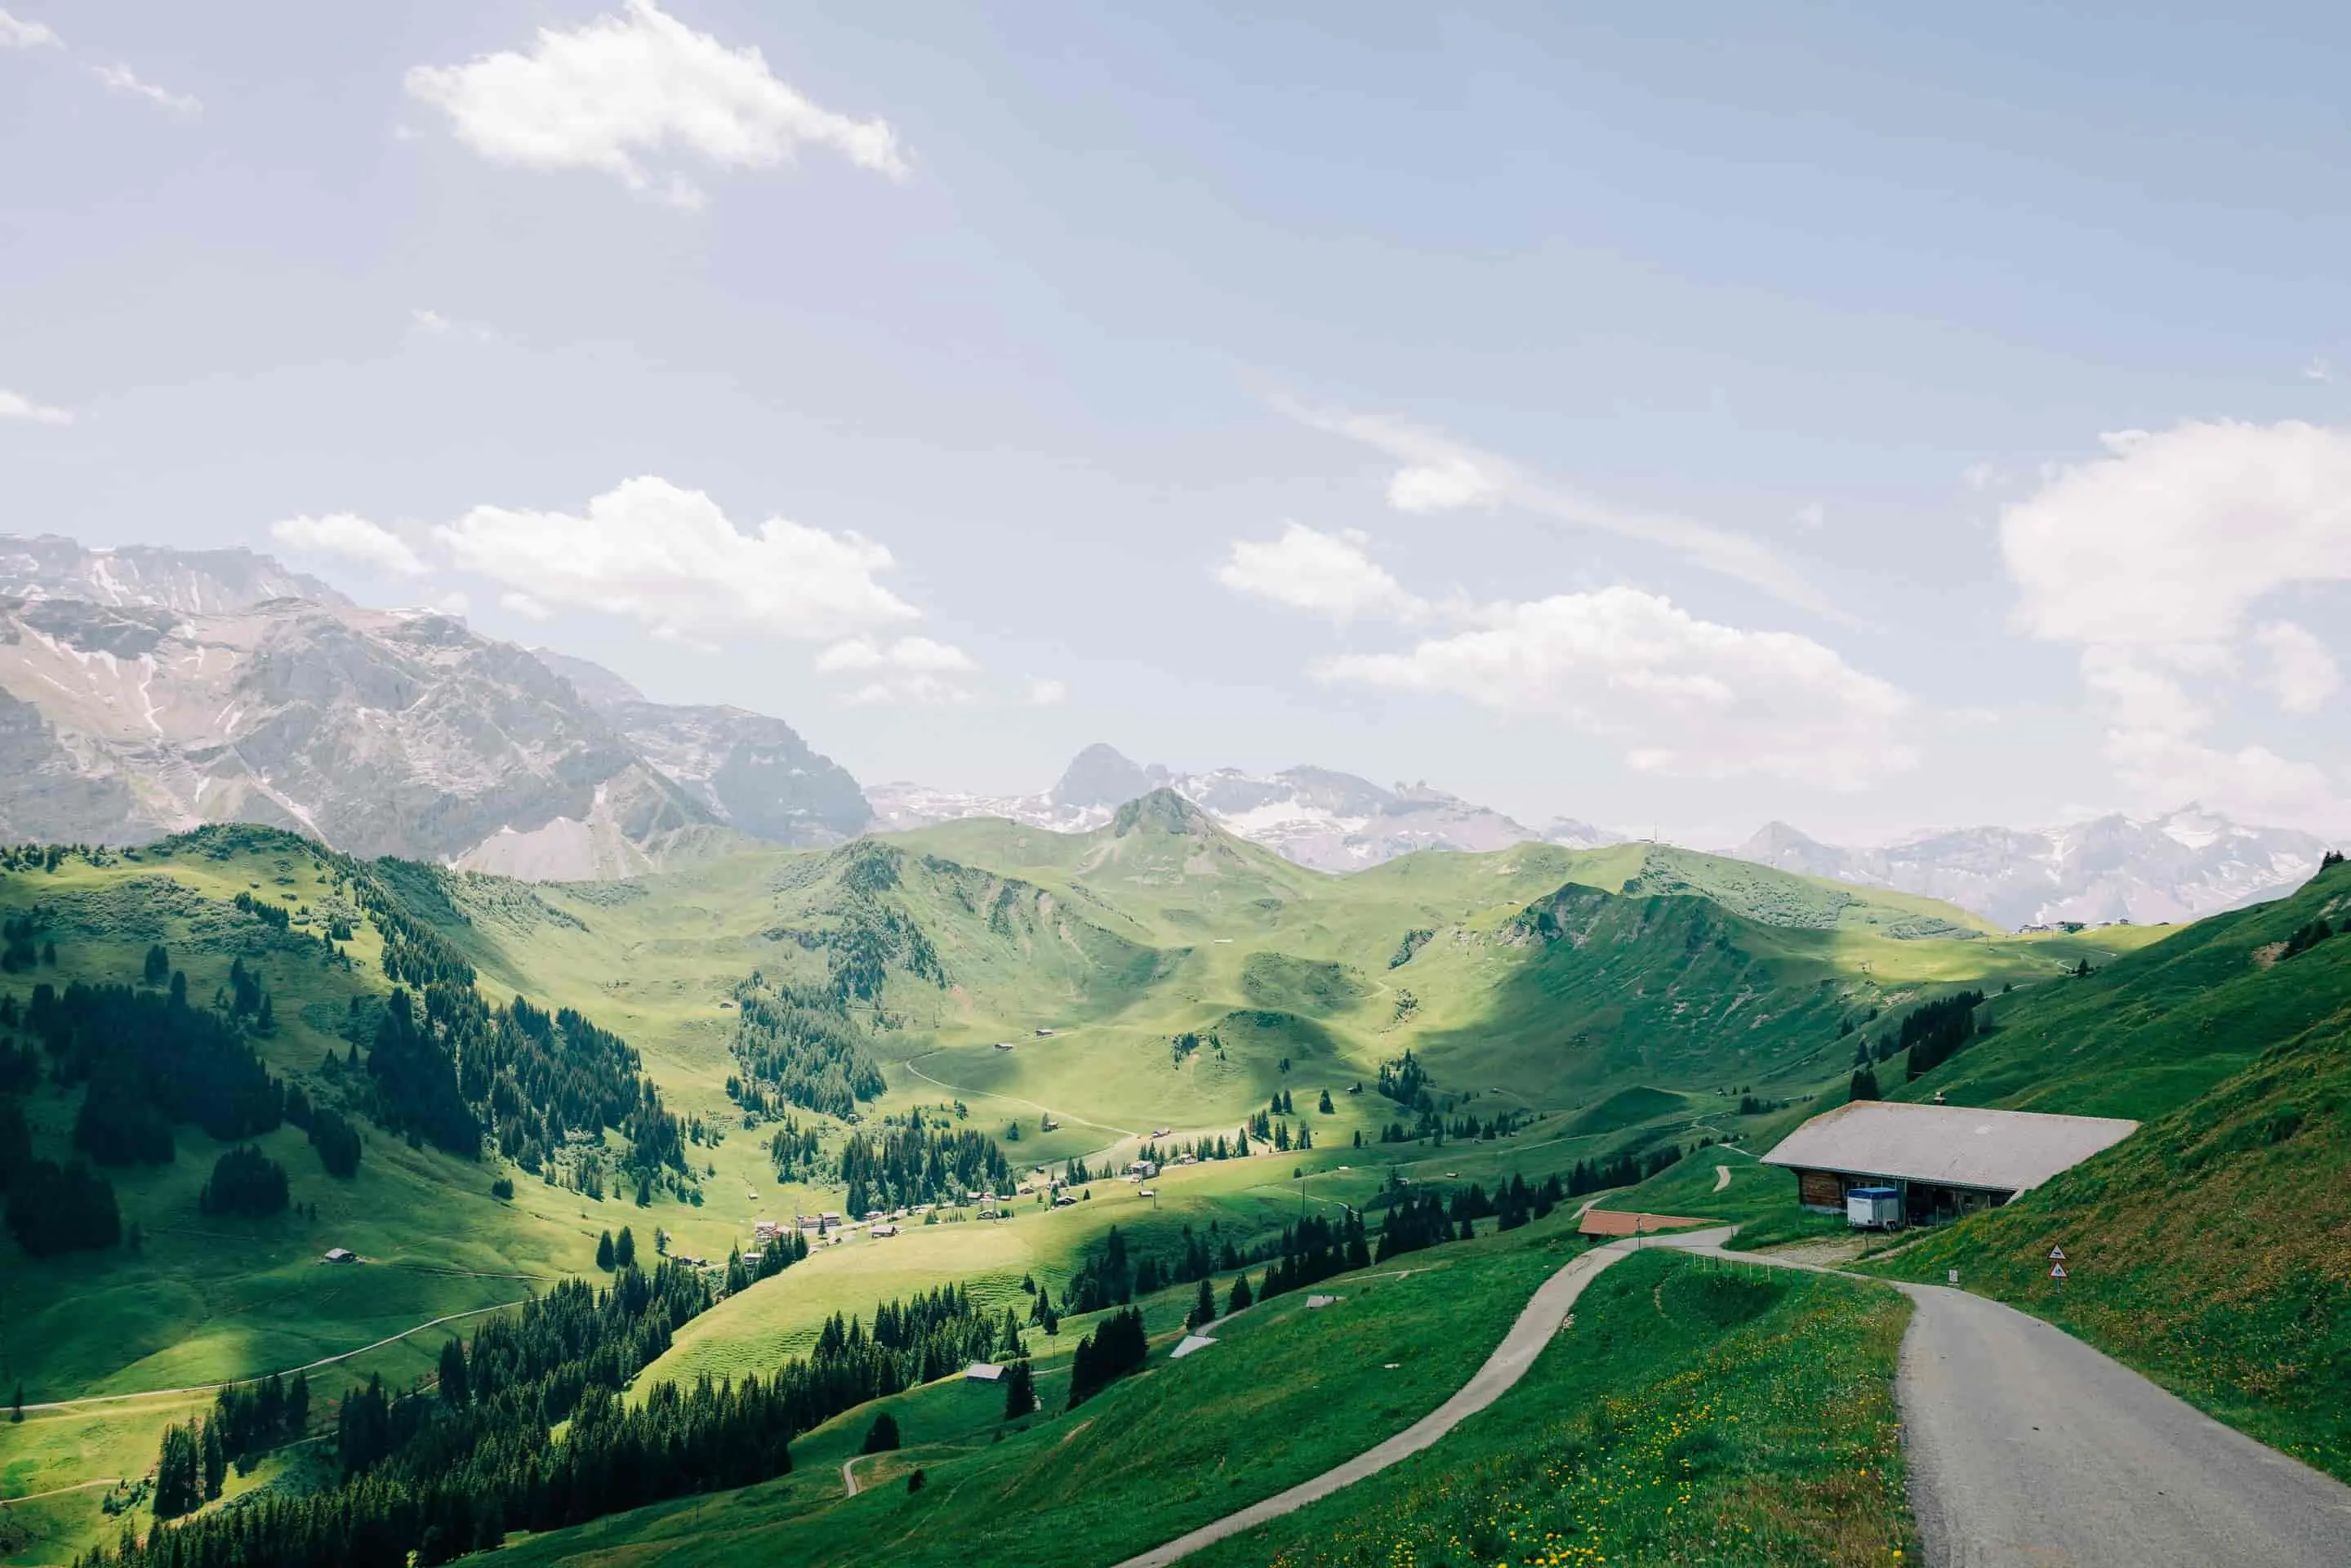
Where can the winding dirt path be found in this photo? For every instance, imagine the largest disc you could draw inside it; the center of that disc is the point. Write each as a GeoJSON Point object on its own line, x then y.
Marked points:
{"type": "Point", "coordinates": [1544, 1315]}
{"type": "Point", "coordinates": [288, 1371]}
{"type": "Point", "coordinates": [1014, 1099]}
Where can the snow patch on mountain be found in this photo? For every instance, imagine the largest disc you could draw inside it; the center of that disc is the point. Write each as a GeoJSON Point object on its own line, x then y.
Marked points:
{"type": "Point", "coordinates": [2178, 866]}
{"type": "Point", "coordinates": [1328, 820]}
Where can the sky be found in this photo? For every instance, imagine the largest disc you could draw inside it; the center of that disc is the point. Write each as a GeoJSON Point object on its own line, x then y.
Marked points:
{"type": "Point", "coordinates": [1672, 418]}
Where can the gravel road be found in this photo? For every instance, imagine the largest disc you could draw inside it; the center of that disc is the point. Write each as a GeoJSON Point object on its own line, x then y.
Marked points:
{"type": "Point", "coordinates": [2028, 1448]}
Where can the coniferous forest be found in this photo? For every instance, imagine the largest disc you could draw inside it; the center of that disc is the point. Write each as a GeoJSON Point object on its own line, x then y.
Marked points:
{"type": "Point", "coordinates": [441, 1470]}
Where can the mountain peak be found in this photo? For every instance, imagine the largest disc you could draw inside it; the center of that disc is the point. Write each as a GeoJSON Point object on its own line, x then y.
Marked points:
{"type": "Point", "coordinates": [597, 685]}
{"type": "Point", "coordinates": [1161, 810]}
{"type": "Point", "coordinates": [1102, 775]}
{"type": "Point", "coordinates": [190, 583]}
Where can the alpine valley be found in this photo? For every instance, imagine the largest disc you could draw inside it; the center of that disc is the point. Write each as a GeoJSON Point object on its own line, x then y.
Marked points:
{"type": "Point", "coordinates": [451, 1103]}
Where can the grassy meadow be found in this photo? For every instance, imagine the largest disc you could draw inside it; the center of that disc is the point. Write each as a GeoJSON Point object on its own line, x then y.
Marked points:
{"type": "Point", "coordinates": [1692, 1413]}
{"type": "Point", "coordinates": [1611, 1000]}
{"type": "Point", "coordinates": [1286, 1392]}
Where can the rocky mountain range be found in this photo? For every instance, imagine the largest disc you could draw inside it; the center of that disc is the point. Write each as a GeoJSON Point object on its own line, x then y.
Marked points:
{"type": "Point", "coordinates": [2187, 863]}
{"type": "Point", "coordinates": [1318, 818]}
{"type": "Point", "coordinates": [2178, 866]}
{"type": "Point", "coordinates": [143, 692]}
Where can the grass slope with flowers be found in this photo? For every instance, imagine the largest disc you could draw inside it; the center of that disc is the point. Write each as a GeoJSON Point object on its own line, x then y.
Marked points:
{"type": "Point", "coordinates": [1693, 1414]}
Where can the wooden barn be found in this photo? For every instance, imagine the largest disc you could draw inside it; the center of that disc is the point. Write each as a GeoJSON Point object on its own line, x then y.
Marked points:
{"type": "Point", "coordinates": [1944, 1161]}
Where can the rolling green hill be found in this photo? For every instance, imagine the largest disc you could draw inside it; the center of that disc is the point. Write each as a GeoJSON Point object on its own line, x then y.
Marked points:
{"type": "Point", "coordinates": [2211, 1248]}
{"type": "Point", "coordinates": [2154, 1027]}
{"type": "Point", "coordinates": [1083, 991]}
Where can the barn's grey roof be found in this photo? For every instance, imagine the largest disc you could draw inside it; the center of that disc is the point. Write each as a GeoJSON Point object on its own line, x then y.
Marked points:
{"type": "Point", "coordinates": [2006, 1151]}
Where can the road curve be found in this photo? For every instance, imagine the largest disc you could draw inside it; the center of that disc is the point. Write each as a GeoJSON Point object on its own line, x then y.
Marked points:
{"type": "Point", "coordinates": [1545, 1312]}
{"type": "Point", "coordinates": [76, 1404]}
{"type": "Point", "coordinates": [2026, 1446]}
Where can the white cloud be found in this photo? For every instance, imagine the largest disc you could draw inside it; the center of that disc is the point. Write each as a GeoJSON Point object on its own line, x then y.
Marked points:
{"type": "Point", "coordinates": [17, 405]}
{"type": "Point", "coordinates": [1437, 474]}
{"type": "Point", "coordinates": [434, 324]}
{"type": "Point", "coordinates": [2303, 672]}
{"type": "Point", "coordinates": [913, 671]}
{"type": "Point", "coordinates": [2175, 536]}
{"type": "Point", "coordinates": [21, 35]}
{"type": "Point", "coordinates": [1324, 574]}
{"type": "Point", "coordinates": [621, 90]}
{"type": "Point", "coordinates": [524, 605]}
{"type": "Point", "coordinates": [669, 558]}
{"type": "Point", "coordinates": [1981, 477]}
{"type": "Point", "coordinates": [2153, 559]}
{"type": "Point", "coordinates": [453, 603]}
{"type": "Point", "coordinates": [1811, 515]}
{"type": "Point", "coordinates": [2318, 369]}
{"type": "Point", "coordinates": [121, 79]}
{"type": "Point", "coordinates": [1677, 694]}
{"type": "Point", "coordinates": [1046, 693]}
{"type": "Point", "coordinates": [917, 655]}
{"type": "Point", "coordinates": [356, 539]}
{"type": "Point", "coordinates": [1448, 485]}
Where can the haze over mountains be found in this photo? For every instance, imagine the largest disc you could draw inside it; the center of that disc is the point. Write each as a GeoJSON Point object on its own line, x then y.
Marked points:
{"type": "Point", "coordinates": [1328, 820]}
{"type": "Point", "coordinates": [145, 691]}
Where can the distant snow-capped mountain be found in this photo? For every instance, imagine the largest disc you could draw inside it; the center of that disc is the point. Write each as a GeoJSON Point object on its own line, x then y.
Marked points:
{"type": "Point", "coordinates": [1330, 822]}
{"type": "Point", "coordinates": [2186, 863]}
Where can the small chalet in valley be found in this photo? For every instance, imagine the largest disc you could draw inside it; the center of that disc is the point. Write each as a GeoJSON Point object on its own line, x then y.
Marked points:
{"type": "Point", "coordinates": [1941, 1161]}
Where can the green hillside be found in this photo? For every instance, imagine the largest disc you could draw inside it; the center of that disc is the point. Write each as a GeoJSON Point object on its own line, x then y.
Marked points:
{"type": "Point", "coordinates": [2154, 1027]}
{"type": "Point", "coordinates": [2210, 1248]}
{"type": "Point", "coordinates": [1060, 996]}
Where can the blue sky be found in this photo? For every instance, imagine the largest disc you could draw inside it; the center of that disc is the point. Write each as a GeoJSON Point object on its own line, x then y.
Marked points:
{"type": "Point", "coordinates": [1671, 419]}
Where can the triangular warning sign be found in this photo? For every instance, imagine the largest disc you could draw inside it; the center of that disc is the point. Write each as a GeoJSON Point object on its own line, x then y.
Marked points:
{"type": "Point", "coordinates": [2056, 1271]}
{"type": "Point", "coordinates": [2056, 1254]}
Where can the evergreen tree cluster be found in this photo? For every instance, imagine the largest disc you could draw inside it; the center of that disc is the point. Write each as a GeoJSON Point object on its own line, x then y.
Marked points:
{"type": "Point", "coordinates": [1936, 1032]}
{"type": "Point", "coordinates": [151, 1062]}
{"type": "Point", "coordinates": [244, 1181]}
{"type": "Point", "coordinates": [246, 1419]}
{"type": "Point", "coordinates": [1117, 1346]}
{"type": "Point", "coordinates": [457, 1069]}
{"type": "Point", "coordinates": [799, 1047]}
{"type": "Point", "coordinates": [22, 946]}
{"type": "Point", "coordinates": [55, 1209]}
{"type": "Point", "coordinates": [1312, 1250]}
{"type": "Point", "coordinates": [1406, 1082]}
{"type": "Point", "coordinates": [798, 1154]}
{"type": "Point", "coordinates": [336, 1140]}
{"type": "Point", "coordinates": [274, 916]}
{"type": "Point", "coordinates": [914, 1161]}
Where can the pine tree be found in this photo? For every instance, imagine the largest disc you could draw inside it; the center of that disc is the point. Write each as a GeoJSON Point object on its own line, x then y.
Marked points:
{"type": "Point", "coordinates": [158, 969]}
{"type": "Point", "coordinates": [1325, 1106]}
{"type": "Point", "coordinates": [624, 1249]}
{"type": "Point", "coordinates": [453, 1373]}
{"type": "Point", "coordinates": [1020, 1392]}
{"type": "Point", "coordinates": [1204, 1306]}
{"type": "Point", "coordinates": [883, 1436]}
{"type": "Point", "coordinates": [1865, 1085]}
{"type": "Point", "coordinates": [604, 1252]}
{"type": "Point", "coordinates": [215, 1460]}
{"type": "Point", "coordinates": [1240, 1297]}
